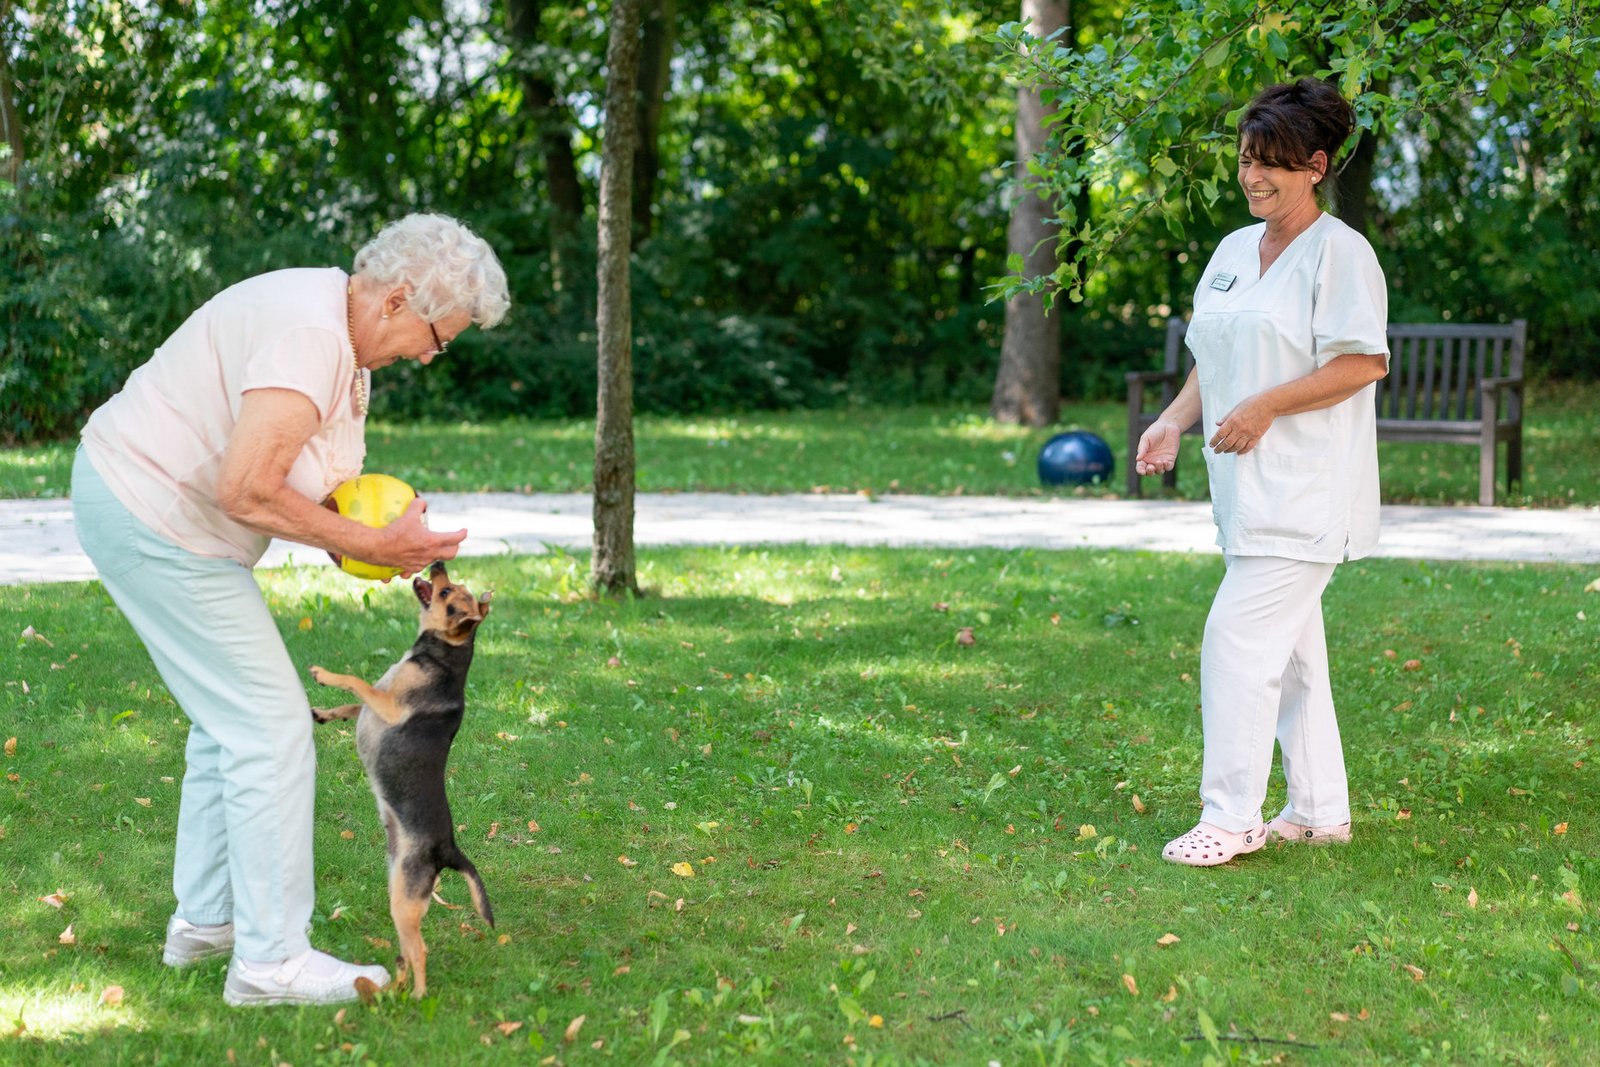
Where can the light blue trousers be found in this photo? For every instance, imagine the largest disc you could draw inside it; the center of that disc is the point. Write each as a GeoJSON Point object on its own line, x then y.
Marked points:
{"type": "Point", "coordinates": [245, 821]}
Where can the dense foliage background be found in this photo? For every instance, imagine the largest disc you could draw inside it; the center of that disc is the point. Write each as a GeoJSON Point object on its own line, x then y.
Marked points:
{"type": "Point", "coordinates": [825, 212]}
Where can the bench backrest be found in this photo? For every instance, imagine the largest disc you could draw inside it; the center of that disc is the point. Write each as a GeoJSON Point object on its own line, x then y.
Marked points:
{"type": "Point", "coordinates": [1434, 368]}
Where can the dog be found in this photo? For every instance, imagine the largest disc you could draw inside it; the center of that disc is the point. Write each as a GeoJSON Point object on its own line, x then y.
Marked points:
{"type": "Point", "coordinates": [405, 725]}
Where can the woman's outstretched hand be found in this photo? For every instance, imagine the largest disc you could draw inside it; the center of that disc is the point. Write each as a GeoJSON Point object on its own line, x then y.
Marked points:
{"type": "Point", "coordinates": [1158, 448]}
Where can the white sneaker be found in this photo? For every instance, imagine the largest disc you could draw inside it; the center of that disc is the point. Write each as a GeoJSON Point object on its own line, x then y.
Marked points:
{"type": "Point", "coordinates": [187, 943]}
{"type": "Point", "coordinates": [310, 978]}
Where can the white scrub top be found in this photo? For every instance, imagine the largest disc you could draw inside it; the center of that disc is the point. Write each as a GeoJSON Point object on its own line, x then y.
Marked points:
{"type": "Point", "coordinates": [1309, 489]}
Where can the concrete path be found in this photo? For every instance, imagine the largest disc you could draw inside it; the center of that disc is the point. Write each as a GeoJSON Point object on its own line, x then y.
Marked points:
{"type": "Point", "coordinates": [37, 543]}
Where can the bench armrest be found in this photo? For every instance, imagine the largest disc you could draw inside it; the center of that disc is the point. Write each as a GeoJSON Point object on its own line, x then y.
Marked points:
{"type": "Point", "coordinates": [1489, 389]}
{"type": "Point", "coordinates": [1150, 377]}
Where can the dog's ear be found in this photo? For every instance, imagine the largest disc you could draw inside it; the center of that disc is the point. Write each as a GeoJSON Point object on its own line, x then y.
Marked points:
{"type": "Point", "coordinates": [483, 605]}
{"type": "Point", "coordinates": [424, 590]}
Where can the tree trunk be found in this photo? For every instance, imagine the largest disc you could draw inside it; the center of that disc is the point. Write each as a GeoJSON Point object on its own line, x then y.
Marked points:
{"type": "Point", "coordinates": [655, 74]}
{"type": "Point", "coordinates": [1027, 389]}
{"type": "Point", "coordinates": [612, 569]}
{"type": "Point", "coordinates": [10, 121]}
{"type": "Point", "coordinates": [554, 132]}
{"type": "Point", "coordinates": [1353, 199]}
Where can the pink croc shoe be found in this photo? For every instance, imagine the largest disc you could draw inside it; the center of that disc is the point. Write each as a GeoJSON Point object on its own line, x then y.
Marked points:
{"type": "Point", "coordinates": [1280, 829]}
{"type": "Point", "coordinates": [1207, 845]}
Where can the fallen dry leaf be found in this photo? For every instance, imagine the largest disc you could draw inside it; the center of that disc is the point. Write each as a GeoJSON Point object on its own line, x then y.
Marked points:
{"type": "Point", "coordinates": [306, 623]}
{"type": "Point", "coordinates": [1132, 986]}
{"type": "Point", "coordinates": [67, 936]}
{"type": "Point", "coordinates": [1417, 973]}
{"type": "Point", "coordinates": [683, 869]}
{"type": "Point", "coordinates": [964, 636]}
{"type": "Point", "coordinates": [29, 633]}
{"type": "Point", "coordinates": [1413, 665]}
{"type": "Point", "coordinates": [1168, 939]}
{"type": "Point", "coordinates": [1561, 828]}
{"type": "Point", "coordinates": [509, 1028]}
{"type": "Point", "coordinates": [1338, 1016]}
{"type": "Point", "coordinates": [348, 835]}
{"type": "Point", "coordinates": [1138, 805]}
{"type": "Point", "coordinates": [876, 1022]}
{"type": "Point", "coordinates": [56, 899]}
{"type": "Point", "coordinates": [111, 996]}
{"type": "Point", "coordinates": [11, 746]}
{"type": "Point", "coordinates": [1472, 897]}
{"type": "Point", "coordinates": [1170, 995]}
{"type": "Point", "coordinates": [626, 862]}
{"type": "Point", "coordinates": [143, 802]}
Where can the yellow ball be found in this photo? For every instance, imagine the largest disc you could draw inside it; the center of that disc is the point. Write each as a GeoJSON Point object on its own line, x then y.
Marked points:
{"type": "Point", "coordinates": [373, 500]}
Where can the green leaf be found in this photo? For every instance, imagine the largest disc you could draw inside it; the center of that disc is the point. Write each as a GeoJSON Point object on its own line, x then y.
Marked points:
{"type": "Point", "coordinates": [658, 1016]}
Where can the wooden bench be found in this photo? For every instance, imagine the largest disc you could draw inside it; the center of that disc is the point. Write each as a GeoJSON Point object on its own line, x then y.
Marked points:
{"type": "Point", "coordinates": [1445, 384]}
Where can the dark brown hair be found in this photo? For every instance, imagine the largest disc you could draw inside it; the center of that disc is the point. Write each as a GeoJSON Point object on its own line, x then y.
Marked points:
{"type": "Point", "coordinates": [1285, 125]}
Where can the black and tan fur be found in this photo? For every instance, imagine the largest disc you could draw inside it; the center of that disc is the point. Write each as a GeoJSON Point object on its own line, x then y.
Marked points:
{"type": "Point", "coordinates": [406, 724]}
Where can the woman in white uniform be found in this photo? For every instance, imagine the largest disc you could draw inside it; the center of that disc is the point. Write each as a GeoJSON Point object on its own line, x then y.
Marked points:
{"type": "Point", "coordinates": [1289, 337]}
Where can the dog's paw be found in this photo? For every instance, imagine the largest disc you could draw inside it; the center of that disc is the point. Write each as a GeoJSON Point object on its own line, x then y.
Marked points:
{"type": "Point", "coordinates": [320, 675]}
{"type": "Point", "coordinates": [320, 715]}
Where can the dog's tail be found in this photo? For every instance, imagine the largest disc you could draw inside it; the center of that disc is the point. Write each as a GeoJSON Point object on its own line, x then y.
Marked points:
{"type": "Point", "coordinates": [480, 897]}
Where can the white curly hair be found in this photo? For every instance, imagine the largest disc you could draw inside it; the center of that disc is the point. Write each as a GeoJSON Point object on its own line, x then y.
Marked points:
{"type": "Point", "coordinates": [446, 267]}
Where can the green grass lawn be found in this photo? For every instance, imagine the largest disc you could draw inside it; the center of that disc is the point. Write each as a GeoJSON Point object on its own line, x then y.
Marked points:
{"type": "Point", "coordinates": [903, 850]}
{"type": "Point", "coordinates": [917, 450]}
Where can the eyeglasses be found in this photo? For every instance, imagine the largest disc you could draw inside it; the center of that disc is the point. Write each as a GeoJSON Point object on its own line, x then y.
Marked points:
{"type": "Point", "coordinates": [438, 345]}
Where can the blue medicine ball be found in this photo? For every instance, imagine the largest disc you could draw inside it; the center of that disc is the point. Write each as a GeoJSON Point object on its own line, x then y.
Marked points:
{"type": "Point", "coordinates": [1075, 458]}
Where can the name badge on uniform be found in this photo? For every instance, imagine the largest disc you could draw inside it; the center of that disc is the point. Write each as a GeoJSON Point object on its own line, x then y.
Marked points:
{"type": "Point", "coordinates": [1223, 281]}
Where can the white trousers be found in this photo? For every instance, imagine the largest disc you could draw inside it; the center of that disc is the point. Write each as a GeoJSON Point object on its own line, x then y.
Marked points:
{"type": "Point", "coordinates": [245, 818]}
{"type": "Point", "coordinates": [1264, 675]}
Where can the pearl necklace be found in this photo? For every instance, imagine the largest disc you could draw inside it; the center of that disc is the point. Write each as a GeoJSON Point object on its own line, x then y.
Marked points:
{"type": "Point", "coordinates": [355, 360]}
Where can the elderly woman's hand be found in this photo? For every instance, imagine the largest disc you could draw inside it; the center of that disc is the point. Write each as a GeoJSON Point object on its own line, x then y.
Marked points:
{"type": "Point", "coordinates": [407, 542]}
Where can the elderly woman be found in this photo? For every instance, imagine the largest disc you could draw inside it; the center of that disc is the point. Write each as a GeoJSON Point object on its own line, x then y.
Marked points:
{"type": "Point", "coordinates": [234, 433]}
{"type": "Point", "coordinates": [1289, 335]}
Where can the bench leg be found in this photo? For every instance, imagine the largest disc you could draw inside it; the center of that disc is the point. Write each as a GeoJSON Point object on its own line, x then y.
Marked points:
{"type": "Point", "coordinates": [1486, 458]}
{"type": "Point", "coordinates": [1514, 460]}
